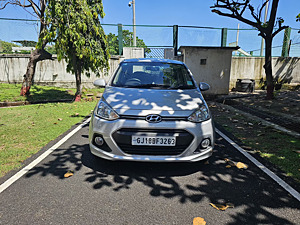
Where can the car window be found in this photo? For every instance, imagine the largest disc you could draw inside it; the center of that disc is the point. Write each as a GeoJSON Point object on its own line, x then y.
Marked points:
{"type": "Point", "coordinates": [153, 75]}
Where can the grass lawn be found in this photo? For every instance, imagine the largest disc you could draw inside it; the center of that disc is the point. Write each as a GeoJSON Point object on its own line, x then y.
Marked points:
{"type": "Point", "coordinates": [24, 130]}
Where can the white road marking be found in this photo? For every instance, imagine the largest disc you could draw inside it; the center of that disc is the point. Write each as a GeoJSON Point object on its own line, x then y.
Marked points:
{"type": "Point", "coordinates": [277, 179]}
{"type": "Point", "coordinates": [23, 171]}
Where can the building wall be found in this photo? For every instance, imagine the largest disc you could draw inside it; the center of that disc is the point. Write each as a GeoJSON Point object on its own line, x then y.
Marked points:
{"type": "Point", "coordinates": [210, 65]}
{"type": "Point", "coordinates": [252, 68]}
{"type": "Point", "coordinates": [48, 72]}
{"type": "Point", "coordinates": [215, 72]}
{"type": "Point", "coordinates": [133, 52]}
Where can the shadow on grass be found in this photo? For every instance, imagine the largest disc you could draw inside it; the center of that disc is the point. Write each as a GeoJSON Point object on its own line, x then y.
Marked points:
{"type": "Point", "coordinates": [41, 95]}
{"type": "Point", "coordinates": [257, 200]}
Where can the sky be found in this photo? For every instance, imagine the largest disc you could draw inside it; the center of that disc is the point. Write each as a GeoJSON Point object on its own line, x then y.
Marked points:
{"type": "Point", "coordinates": [168, 12]}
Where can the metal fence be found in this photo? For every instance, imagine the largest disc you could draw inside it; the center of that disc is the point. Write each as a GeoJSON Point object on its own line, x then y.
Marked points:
{"type": "Point", "coordinates": [156, 38]}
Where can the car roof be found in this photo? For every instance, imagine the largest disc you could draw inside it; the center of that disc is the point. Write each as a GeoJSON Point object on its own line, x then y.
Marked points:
{"type": "Point", "coordinates": [155, 60]}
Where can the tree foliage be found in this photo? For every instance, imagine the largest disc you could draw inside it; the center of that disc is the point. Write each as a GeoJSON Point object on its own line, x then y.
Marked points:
{"type": "Point", "coordinates": [6, 47]}
{"type": "Point", "coordinates": [78, 35]}
{"type": "Point", "coordinates": [240, 9]}
{"type": "Point", "coordinates": [26, 43]}
{"type": "Point", "coordinates": [113, 42]}
{"type": "Point", "coordinates": [37, 9]}
{"type": "Point", "coordinates": [74, 27]}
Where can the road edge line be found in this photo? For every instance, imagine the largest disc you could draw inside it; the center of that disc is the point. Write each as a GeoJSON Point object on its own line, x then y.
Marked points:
{"type": "Point", "coordinates": [23, 171]}
{"type": "Point", "coordinates": [271, 174]}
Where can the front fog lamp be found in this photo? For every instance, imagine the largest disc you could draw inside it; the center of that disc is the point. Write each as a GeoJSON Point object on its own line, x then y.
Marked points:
{"type": "Point", "coordinates": [201, 114]}
{"type": "Point", "coordinates": [205, 143]}
{"type": "Point", "coordinates": [104, 111]}
{"type": "Point", "coordinates": [99, 141]}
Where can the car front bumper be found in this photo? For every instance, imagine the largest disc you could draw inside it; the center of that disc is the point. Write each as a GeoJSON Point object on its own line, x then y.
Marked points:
{"type": "Point", "coordinates": [112, 151]}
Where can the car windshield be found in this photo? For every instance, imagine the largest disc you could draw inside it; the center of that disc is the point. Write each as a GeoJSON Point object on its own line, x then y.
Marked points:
{"type": "Point", "coordinates": [156, 75]}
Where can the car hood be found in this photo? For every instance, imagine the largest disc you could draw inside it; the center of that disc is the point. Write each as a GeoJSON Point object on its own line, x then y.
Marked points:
{"type": "Point", "coordinates": [132, 101]}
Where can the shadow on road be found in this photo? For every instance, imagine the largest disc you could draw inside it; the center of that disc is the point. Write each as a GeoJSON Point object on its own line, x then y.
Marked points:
{"type": "Point", "coordinates": [255, 197]}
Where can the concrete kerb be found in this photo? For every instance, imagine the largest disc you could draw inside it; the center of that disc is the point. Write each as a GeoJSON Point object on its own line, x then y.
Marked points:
{"type": "Point", "coordinates": [264, 122]}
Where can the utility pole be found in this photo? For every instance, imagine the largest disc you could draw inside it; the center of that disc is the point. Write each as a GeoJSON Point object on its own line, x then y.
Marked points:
{"type": "Point", "coordinates": [132, 3]}
{"type": "Point", "coordinates": [237, 37]}
{"type": "Point", "coordinates": [265, 20]}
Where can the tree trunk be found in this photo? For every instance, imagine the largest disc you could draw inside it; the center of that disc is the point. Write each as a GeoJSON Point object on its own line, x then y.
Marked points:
{"type": "Point", "coordinates": [268, 68]}
{"type": "Point", "coordinates": [36, 56]}
{"type": "Point", "coordinates": [77, 69]}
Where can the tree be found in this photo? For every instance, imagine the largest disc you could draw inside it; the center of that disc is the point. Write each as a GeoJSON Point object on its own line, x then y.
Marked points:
{"type": "Point", "coordinates": [37, 8]}
{"type": "Point", "coordinates": [113, 42]}
{"type": "Point", "coordinates": [78, 35]}
{"type": "Point", "coordinates": [6, 47]}
{"type": "Point", "coordinates": [26, 43]}
{"type": "Point", "coordinates": [238, 9]}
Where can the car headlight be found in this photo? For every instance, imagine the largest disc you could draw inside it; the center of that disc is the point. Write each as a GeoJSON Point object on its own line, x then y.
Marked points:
{"type": "Point", "coordinates": [201, 114]}
{"type": "Point", "coordinates": [104, 111]}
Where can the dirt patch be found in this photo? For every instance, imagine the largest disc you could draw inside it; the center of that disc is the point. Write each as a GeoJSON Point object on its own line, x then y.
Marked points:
{"type": "Point", "coordinates": [286, 102]}
{"type": "Point", "coordinates": [284, 110]}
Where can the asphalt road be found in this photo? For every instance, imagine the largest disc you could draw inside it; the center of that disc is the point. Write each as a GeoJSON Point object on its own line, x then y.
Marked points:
{"type": "Point", "coordinates": [104, 192]}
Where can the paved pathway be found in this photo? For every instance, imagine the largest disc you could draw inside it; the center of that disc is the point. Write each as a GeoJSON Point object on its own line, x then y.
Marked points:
{"type": "Point", "coordinates": [104, 192]}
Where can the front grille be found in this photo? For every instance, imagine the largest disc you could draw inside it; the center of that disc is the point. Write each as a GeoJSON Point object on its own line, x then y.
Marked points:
{"type": "Point", "coordinates": [163, 118]}
{"type": "Point", "coordinates": [123, 139]}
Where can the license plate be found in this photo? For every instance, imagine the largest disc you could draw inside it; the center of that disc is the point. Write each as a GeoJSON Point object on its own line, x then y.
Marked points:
{"type": "Point", "coordinates": [153, 141]}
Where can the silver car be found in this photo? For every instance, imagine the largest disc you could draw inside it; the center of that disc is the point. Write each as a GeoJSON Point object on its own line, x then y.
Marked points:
{"type": "Point", "coordinates": [152, 110]}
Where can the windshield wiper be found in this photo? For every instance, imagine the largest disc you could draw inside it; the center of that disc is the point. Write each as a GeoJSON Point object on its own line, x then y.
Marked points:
{"type": "Point", "coordinates": [182, 87]}
{"type": "Point", "coordinates": [149, 86]}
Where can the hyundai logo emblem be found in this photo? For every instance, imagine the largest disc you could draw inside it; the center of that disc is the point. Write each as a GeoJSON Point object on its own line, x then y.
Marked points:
{"type": "Point", "coordinates": [153, 118]}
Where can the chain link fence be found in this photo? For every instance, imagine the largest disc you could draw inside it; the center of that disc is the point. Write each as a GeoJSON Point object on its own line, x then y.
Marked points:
{"type": "Point", "coordinates": [156, 38]}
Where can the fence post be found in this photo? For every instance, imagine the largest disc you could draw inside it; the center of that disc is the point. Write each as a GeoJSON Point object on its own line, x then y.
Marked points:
{"type": "Point", "coordinates": [286, 42]}
{"type": "Point", "coordinates": [224, 37]}
{"type": "Point", "coordinates": [175, 39]}
{"type": "Point", "coordinates": [120, 36]}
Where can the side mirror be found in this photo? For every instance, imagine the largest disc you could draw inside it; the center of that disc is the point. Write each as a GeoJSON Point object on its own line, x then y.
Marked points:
{"type": "Point", "coordinates": [100, 83]}
{"type": "Point", "coordinates": [204, 86]}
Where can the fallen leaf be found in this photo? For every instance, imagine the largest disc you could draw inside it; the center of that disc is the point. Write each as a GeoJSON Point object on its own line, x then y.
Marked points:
{"type": "Point", "coordinates": [241, 165]}
{"type": "Point", "coordinates": [199, 221]}
{"type": "Point", "coordinates": [219, 206]}
{"type": "Point", "coordinates": [69, 174]}
{"type": "Point", "coordinates": [231, 163]}
{"type": "Point", "coordinates": [222, 207]}
{"type": "Point", "coordinates": [230, 205]}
